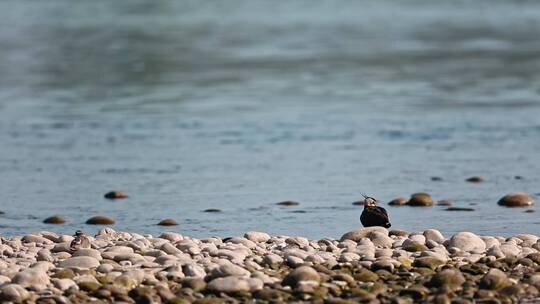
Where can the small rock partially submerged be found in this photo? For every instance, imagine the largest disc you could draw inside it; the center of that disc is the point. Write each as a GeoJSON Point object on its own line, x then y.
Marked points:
{"type": "Point", "coordinates": [168, 222]}
{"type": "Point", "coordinates": [56, 219]}
{"type": "Point", "coordinates": [475, 179]}
{"type": "Point", "coordinates": [288, 203]}
{"type": "Point", "coordinates": [516, 199]}
{"type": "Point", "coordinates": [212, 210]}
{"type": "Point", "coordinates": [459, 209]}
{"type": "Point", "coordinates": [400, 201]}
{"type": "Point", "coordinates": [115, 195]}
{"type": "Point", "coordinates": [100, 220]}
{"type": "Point", "coordinates": [420, 199]}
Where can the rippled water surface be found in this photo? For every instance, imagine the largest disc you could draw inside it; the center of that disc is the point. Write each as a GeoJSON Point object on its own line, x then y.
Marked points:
{"type": "Point", "coordinates": [238, 105]}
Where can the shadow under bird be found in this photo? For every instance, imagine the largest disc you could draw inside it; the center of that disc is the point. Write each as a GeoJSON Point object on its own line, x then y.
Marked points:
{"type": "Point", "coordinates": [374, 215]}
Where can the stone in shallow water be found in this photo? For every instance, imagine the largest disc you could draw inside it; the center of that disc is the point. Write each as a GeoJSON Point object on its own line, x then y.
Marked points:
{"type": "Point", "coordinates": [56, 219]}
{"type": "Point", "coordinates": [288, 203]}
{"type": "Point", "coordinates": [516, 199]}
{"type": "Point", "coordinates": [212, 210]}
{"type": "Point", "coordinates": [100, 220]}
{"type": "Point", "coordinates": [400, 201]}
{"type": "Point", "coordinates": [420, 199]}
{"type": "Point", "coordinates": [115, 195]}
{"type": "Point", "coordinates": [168, 222]}
{"type": "Point", "coordinates": [444, 202]}
{"type": "Point", "coordinates": [475, 179]}
{"type": "Point", "coordinates": [459, 209]}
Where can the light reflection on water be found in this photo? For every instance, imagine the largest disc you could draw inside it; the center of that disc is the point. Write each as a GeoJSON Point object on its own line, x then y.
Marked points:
{"type": "Point", "coordinates": [189, 106]}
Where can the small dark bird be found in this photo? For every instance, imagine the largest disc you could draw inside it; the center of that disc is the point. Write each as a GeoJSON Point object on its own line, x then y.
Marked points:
{"type": "Point", "coordinates": [80, 241]}
{"type": "Point", "coordinates": [374, 215]}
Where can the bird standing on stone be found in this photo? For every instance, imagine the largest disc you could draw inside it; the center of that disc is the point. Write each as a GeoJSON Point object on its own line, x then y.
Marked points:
{"type": "Point", "coordinates": [373, 215]}
{"type": "Point", "coordinates": [80, 241]}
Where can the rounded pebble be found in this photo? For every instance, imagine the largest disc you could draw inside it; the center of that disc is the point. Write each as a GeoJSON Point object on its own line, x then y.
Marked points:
{"type": "Point", "coordinates": [516, 199]}
{"type": "Point", "coordinates": [56, 219]}
{"type": "Point", "coordinates": [100, 220]}
{"type": "Point", "coordinates": [400, 201]}
{"type": "Point", "coordinates": [420, 199]}
{"type": "Point", "coordinates": [288, 203]}
{"type": "Point", "coordinates": [168, 222]}
{"type": "Point", "coordinates": [115, 195]}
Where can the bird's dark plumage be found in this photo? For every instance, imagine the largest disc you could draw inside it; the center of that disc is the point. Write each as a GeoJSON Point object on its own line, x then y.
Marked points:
{"type": "Point", "coordinates": [374, 215]}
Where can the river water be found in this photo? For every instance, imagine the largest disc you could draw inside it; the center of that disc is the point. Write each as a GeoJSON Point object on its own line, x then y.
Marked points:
{"type": "Point", "coordinates": [238, 105]}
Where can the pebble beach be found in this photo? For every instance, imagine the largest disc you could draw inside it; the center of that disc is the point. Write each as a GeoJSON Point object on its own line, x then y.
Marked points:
{"type": "Point", "coordinates": [367, 265]}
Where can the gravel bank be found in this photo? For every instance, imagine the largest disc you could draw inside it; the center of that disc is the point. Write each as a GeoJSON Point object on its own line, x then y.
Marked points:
{"type": "Point", "coordinates": [371, 265]}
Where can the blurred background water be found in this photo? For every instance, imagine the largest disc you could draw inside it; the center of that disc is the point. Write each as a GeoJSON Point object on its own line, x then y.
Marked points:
{"type": "Point", "coordinates": [237, 105]}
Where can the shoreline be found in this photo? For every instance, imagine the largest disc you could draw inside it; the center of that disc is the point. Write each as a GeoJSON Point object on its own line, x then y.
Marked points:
{"type": "Point", "coordinates": [373, 265]}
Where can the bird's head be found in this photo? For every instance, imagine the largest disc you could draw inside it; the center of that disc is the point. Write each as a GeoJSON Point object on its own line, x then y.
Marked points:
{"type": "Point", "coordinates": [369, 201]}
{"type": "Point", "coordinates": [78, 233]}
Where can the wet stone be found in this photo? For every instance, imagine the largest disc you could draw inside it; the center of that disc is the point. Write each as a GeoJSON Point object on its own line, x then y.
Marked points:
{"type": "Point", "coordinates": [444, 203]}
{"type": "Point", "coordinates": [475, 179]}
{"type": "Point", "coordinates": [212, 210]}
{"type": "Point", "coordinates": [459, 209]}
{"type": "Point", "coordinates": [168, 222]}
{"type": "Point", "coordinates": [516, 199]}
{"type": "Point", "coordinates": [56, 219]}
{"type": "Point", "coordinates": [288, 203]}
{"type": "Point", "coordinates": [400, 201]}
{"type": "Point", "coordinates": [115, 195]}
{"type": "Point", "coordinates": [420, 199]}
{"type": "Point", "coordinates": [100, 220]}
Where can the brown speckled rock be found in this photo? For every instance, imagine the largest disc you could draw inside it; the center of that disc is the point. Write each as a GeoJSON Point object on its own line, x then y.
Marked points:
{"type": "Point", "coordinates": [168, 222]}
{"type": "Point", "coordinates": [100, 220]}
{"type": "Point", "coordinates": [400, 201]}
{"type": "Point", "coordinates": [56, 219]}
{"type": "Point", "coordinates": [288, 203]}
{"type": "Point", "coordinates": [516, 199]}
{"type": "Point", "coordinates": [420, 199]}
{"type": "Point", "coordinates": [115, 195]}
{"type": "Point", "coordinates": [475, 179]}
